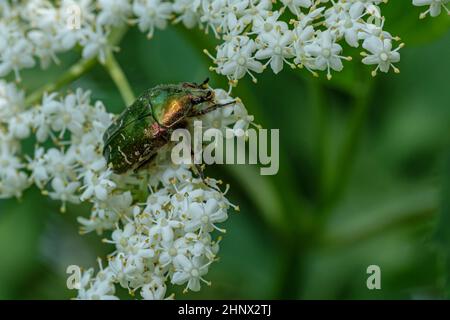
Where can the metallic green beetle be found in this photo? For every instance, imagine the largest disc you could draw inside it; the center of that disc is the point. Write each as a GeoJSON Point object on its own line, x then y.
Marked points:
{"type": "Point", "coordinates": [135, 137]}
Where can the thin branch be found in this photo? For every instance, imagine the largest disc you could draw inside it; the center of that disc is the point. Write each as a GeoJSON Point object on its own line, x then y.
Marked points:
{"type": "Point", "coordinates": [409, 210]}
{"type": "Point", "coordinates": [346, 157]}
{"type": "Point", "coordinates": [74, 72]}
{"type": "Point", "coordinates": [120, 79]}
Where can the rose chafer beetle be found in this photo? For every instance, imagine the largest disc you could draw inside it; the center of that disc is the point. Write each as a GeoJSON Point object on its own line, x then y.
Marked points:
{"type": "Point", "coordinates": [133, 140]}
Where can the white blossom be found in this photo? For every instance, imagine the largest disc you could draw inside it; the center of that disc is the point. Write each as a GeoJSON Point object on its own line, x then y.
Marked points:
{"type": "Point", "coordinates": [151, 14]}
{"type": "Point", "coordinates": [381, 54]}
{"type": "Point", "coordinates": [325, 53]}
{"type": "Point", "coordinates": [435, 7]}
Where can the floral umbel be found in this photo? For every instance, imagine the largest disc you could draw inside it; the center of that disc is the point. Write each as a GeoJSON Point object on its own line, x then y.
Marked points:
{"type": "Point", "coordinates": [162, 219]}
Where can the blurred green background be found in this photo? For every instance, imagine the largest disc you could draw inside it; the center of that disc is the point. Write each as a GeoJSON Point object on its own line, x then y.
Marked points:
{"type": "Point", "coordinates": [364, 177]}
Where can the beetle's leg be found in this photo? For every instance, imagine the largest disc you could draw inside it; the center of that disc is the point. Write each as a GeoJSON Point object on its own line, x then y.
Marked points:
{"type": "Point", "coordinates": [145, 163]}
{"type": "Point", "coordinates": [210, 109]}
{"type": "Point", "coordinates": [203, 85]}
{"type": "Point", "coordinates": [199, 168]}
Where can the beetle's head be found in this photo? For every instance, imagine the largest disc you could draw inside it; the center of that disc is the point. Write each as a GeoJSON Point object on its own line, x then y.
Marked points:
{"type": "Point", "coordinates": [199, 93]}
{"type": "Point", "coordinates": [203, 95]}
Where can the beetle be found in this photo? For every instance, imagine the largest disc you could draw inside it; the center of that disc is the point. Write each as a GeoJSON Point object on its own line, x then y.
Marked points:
{"type": "Point", "coordinates": [133, 140]}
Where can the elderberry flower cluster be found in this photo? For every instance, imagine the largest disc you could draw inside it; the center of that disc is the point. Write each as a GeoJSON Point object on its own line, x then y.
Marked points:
{"type": "Point", "coordinates": [161, 218]}
{"type": "Point", "coordinates": [255, 33]}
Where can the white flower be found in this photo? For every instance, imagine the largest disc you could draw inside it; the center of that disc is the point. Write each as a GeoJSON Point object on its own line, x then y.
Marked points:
{"type": "Point", "coordinates": [60, 163]}
{"type": "Point", "coordinates": [170, 250]}
{"type": "Point", "coordinates": [100, 287]}
{"type": "Point", "coordinates": [45, 47]}
{"type": "Point", "coordinates": [113, 12]}
{"type": "Point", "coordinates": [122, 237]}
{"type": "Point", "coordinates": [190, 271]}
{"type": "Point", "coordinates": [256, 11]}
{"type": "Point", "coordinates": [95, 43]}
{"type": "Point", "coordinates": [175, 173]}
{"type": "Point", "coordinates": [205, 216]}
{"type": "Point", "coordinates": [151, 14]}
{"type": "Point", "coordinates": [163, 228]}
{"type": "Point", "coordinates": [9, 163]}
{"type": "Point", "coordinates": [39, 170]}
{"type": "Point", "coordinates": [19, 125]}
{"type": "Point", "coordinates": [156, 201]}
{"type": "Point", "coordinates": [16, 56]}
{"type": "Point", "coordinates": [187, 11]}
{"type": "Point", "coordinates": [348, 23]}
{"type": "Point", "coordinates": [435, 8]}
{"type": "Point", "coordinates": [98, 185]}
{"type": "Point", "coordinates": [277, 47]}
{"type": "Point", "coordinates": [236, 58]}
{"type": "Point", "coordinates": [267, 23]}
{"type": "Point", "coordinates": [230, 22]}
{"type": "Point", "coordinates": [12, 100]}
{"type": "Point", "coordinates": [326, 53]}
{"type": "Point", "coordinates": [13, 184]}
{"type": "Point", "coordinates": [67, 116]}
{"type": "Point", "coordinates": [294, 5]}
{"type": "Point", "coordinates": [155, 290]}
{"type": "Point", "coordinates": [13, 181]}
{"type": "Point", "coordinates": [381, 55]}
{"type": "Point", "coordinates": [64, 191]}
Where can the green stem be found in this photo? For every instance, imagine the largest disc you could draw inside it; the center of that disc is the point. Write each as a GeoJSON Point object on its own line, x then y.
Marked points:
{"type": "Point", "coordinates": [367, 231]}
{"type": "Point", "coordinates": [263, 195]}
{"type": "Point", "coordinates": [345, 159]}
{"type": "Point", "coordinates": [74, 72]}
{"type": "Point", "coordinates": [120, 79]}
{"type": "Point", "coordinates": [321, 130]}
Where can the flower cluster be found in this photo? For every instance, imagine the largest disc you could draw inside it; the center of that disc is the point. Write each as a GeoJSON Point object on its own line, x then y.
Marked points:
{"type": "Point", "coordinates": [299, 33]}
{"type": "Point", "coordinates": [255, 33]}
{"type": "Point", "coordinates": [161, 218]}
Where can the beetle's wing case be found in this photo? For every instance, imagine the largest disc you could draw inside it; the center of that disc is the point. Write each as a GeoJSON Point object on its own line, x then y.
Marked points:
{"type": "Point", "coordinates": [126, 140]}
{"type": "Point", "coordinates": [139, 110]}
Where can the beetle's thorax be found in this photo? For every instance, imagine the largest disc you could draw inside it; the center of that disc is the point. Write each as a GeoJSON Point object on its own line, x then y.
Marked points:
{"type": "Point", "coordinates": [175, 110]}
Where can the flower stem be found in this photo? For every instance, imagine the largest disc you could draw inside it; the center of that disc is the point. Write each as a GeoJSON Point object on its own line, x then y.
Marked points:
{"type": "Point", "coordinates": [120, 79]}
{"type": "Point", "coordinates": [318, 100]}
{"type": "Point", "coordinates": [345, 159]}
{"type": "Point", "coordinates": [410, 210]}
{"type": "Point", "coordinates": [74, 72]}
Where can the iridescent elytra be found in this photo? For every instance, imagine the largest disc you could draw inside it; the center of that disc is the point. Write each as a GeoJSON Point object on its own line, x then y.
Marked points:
{"type": "Point", "coordinates": [135, 137]}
